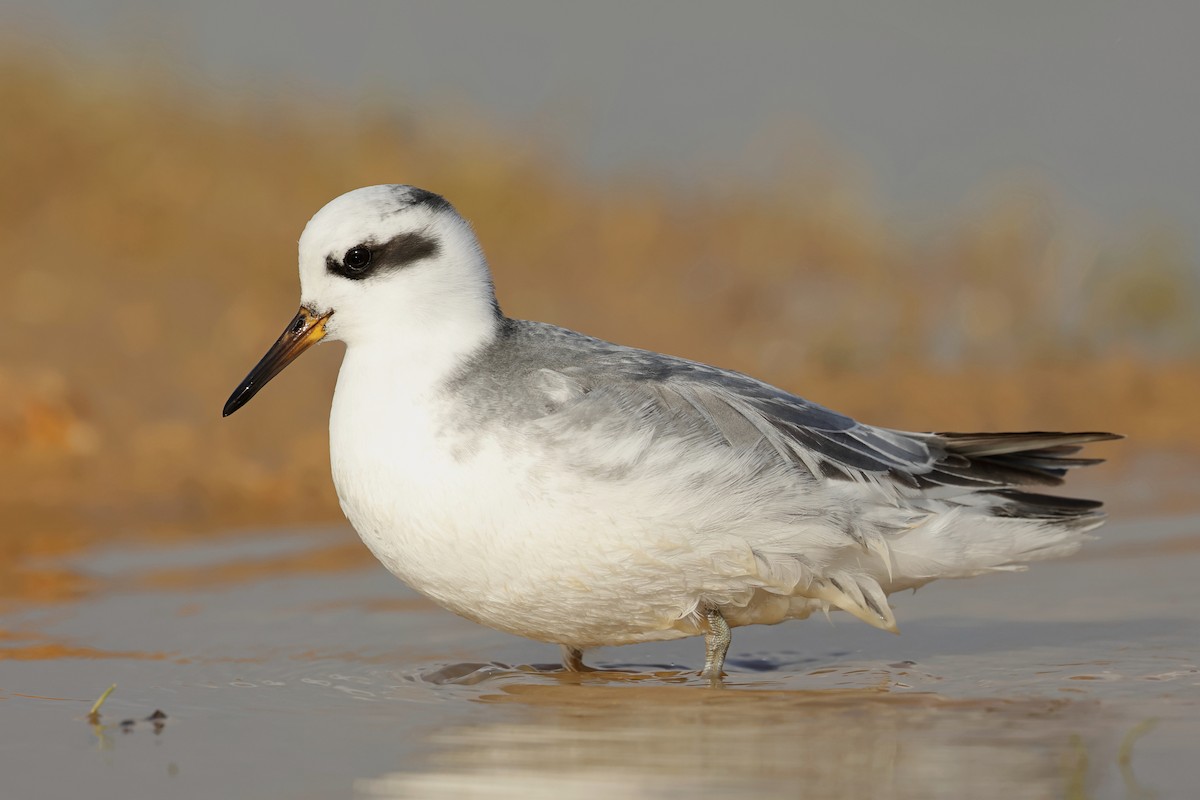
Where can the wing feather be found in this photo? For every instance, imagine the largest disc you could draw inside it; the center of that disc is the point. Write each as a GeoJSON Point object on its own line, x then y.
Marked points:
{"type": "Point", "coordinates": [743, 411]}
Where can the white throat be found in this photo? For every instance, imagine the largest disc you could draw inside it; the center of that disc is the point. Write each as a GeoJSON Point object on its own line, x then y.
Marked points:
{"type": "Point", "coordinates": [413, 357]}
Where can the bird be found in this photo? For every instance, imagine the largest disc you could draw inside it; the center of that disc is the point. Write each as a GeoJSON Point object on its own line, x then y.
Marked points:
{"type": "Point", "coordinates": [582, 493]}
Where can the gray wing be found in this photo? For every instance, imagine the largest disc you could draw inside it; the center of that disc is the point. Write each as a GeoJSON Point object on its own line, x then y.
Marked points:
{"type": "Point", "coordinates": [833, 445]}
{"type": "Point", "coordinates": [827, 443]}
{"type": "Point", "coordinates": [560, 367]}
{"type": "Point", "coordinates": [746, 412]}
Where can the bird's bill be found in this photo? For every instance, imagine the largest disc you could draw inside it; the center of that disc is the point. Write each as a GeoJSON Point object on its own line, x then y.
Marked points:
{"type": "Point", "coordinates": [305, 330]}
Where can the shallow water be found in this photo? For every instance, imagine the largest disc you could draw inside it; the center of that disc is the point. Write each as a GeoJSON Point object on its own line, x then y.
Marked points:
{"type": "Point", "coordinates": [288, 670]}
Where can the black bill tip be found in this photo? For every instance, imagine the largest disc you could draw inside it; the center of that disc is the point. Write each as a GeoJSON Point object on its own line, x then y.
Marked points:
{"type": "Point", "coordinates": [241, 395]}
{"type": "Point", "coordinates": [306, 329]}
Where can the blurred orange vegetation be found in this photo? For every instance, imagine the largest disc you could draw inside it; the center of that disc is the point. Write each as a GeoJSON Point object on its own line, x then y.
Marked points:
{"type": "Point", "coordinates": [148, 233]}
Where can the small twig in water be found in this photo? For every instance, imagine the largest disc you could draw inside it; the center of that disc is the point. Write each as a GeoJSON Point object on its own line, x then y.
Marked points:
{"type": "Point", "coordinates": [94, 715]}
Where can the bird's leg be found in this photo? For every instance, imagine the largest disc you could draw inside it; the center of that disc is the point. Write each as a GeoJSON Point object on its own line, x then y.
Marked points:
{"type": "Point", "coordinates": [716, 645]}
{"type": "Point", "coordinates": [572, 659]}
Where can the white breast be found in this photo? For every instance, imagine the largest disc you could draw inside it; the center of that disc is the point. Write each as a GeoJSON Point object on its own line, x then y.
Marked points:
{"type": "Point", "coordinates": [455, 516]}
{"type": "Point", "coordinates": [399, 481]}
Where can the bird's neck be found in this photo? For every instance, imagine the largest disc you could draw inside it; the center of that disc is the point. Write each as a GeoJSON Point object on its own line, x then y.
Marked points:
{"type": "Point", "coordinates": [414, 358]}
{"type": "Point", "coordinates": [388, 409]}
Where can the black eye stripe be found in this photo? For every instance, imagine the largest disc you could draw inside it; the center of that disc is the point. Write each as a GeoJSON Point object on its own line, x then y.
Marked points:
{"type": "Point", "coordinates": [368, 259]}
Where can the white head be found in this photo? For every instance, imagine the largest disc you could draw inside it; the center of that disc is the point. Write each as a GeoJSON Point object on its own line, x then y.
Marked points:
{"type": "Point", "coordinates": [391, 256]}
{"type": "Point", "coordinates": [392, 266]}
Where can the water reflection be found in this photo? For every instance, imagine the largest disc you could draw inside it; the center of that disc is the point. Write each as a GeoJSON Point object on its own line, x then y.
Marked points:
{"type": "Point", "coordinates": [634, 741]}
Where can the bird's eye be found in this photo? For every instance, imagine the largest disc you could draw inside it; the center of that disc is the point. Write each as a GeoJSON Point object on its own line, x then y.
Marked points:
{"type": "Point", "coordinates": [357, 258]}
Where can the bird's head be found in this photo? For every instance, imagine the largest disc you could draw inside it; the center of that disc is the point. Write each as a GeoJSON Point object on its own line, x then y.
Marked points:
{"type": "Point", "coordinates": [379, 264]}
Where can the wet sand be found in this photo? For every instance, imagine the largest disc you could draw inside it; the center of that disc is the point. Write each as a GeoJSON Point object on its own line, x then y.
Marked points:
{"type": "Point", "coordinates": [289, 667]}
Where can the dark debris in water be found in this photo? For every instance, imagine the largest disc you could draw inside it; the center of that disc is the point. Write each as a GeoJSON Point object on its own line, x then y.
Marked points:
{"type": "Point", "coordinates": [156, 720]}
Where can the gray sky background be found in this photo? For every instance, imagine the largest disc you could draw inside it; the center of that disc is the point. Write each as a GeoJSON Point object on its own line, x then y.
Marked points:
{"type": "Point", "coordinates": [933, 98]}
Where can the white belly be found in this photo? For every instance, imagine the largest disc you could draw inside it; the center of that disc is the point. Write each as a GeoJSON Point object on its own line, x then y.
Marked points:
{"type": "Point", "coordinates": [485, 530]}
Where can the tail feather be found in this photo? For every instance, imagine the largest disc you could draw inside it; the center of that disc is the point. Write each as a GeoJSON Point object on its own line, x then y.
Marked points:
{"type": "Point", "coordinates": [1011, 459]}
{"type": "Point", "coordinates": [1050, 442]}
{"type": "Point", "coordinates": [992, 523]}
